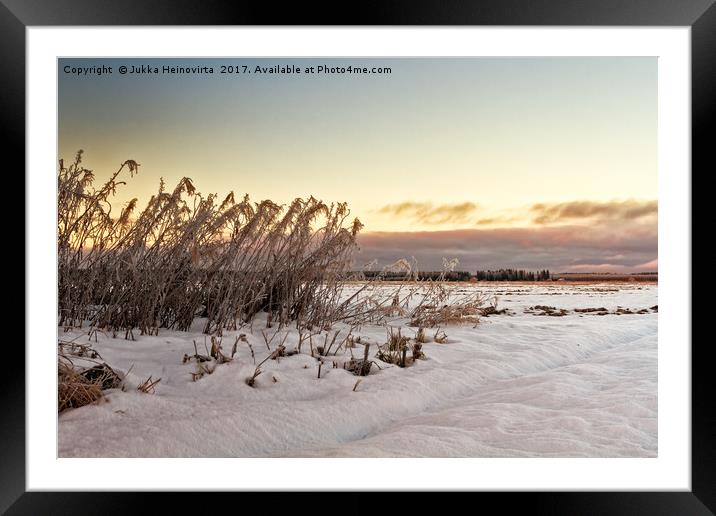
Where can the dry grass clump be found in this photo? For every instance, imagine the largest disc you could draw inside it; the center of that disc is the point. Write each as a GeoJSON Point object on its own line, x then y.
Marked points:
{"type": "Point", "coordinates": [66, 348]}
{"type": "Point", "coordinates": [186, 255]}
{"type": "Point", "coordinates": [443, 304]}
{"type": "Point", "coordinates": [147, 386]}
{"type": "Point", "coordinates": [73, 390]}
{"type": "Point", "coordinates": [440, 306]}
{"type": "Point", "coordinates": [440, 336]}
{"type": "Point", "coordinates": [439, 302]}
{"type": "Point", "coordinates": [492, 309]}
{"type": "Point", "coordinates": [206, 364]}
{"type": "Point", "coordinates": [417, 351]}
{"type": "Point", "coordinates": [201, 370]}
{"type": "Point", "coordinates": [77, 387]}
{"type": "Point", "coordinates": [420, 336]}
{"type": "Point", "coordinates": [360, 367]}
{"type": "Point", "coordinates": [395, 350]}
{"type": "Point", "coordinates": [550, 311]}
{"type": "Point", "coordinates": [103, 376]}
{"type": "Point", "coordinates": [251, 380]}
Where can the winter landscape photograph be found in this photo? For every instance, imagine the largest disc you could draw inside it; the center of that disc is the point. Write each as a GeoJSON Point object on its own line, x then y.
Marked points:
{"type": "Point", "coordinates": [357, 257]}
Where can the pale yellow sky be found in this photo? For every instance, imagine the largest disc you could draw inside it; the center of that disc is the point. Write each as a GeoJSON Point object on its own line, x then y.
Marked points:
{"type": "Point", "coordinates": [502, 134]}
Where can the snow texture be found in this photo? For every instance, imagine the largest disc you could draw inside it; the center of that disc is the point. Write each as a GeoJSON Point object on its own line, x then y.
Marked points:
{"type": "Point", "coordinates": [521, 385]}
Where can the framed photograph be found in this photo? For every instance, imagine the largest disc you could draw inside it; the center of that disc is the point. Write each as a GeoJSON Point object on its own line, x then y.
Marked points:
{"type": "Point", "coordinates": [440, 249]}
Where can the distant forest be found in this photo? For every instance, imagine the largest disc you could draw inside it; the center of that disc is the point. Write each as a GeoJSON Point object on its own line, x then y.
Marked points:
{"type": "Point", "coordinates": [513, 275]}
{"type": "Point", "coordinates": [497, 275]}
{"type": "Point", "coordinates": [422, 275]}
{"type": "Point", "coordinates": [506, 275]}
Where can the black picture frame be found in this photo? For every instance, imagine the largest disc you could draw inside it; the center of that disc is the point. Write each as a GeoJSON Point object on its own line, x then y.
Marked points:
{"type": "Point", "coordinates": [700, 15]}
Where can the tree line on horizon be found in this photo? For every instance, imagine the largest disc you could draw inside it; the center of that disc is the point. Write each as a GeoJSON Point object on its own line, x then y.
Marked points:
{"type": "Point", "coordinates": [513, 275]}
{"type": "Point", "coordinates": [482, 275]}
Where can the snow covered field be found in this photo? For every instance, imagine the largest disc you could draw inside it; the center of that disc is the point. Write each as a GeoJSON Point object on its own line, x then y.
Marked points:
{"type": "Point", "coordinates": [521, 384]}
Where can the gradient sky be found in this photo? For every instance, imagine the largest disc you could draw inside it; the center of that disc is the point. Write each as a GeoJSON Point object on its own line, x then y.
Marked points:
{"type": "Point", "coordinates": [521, 162]}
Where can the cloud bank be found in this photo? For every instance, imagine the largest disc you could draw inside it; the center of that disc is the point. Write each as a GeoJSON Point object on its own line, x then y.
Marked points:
{"type": "Point", "coordinates": [426, 213]}
{"type": "Point", "coordinates": [630, 247]}
{"type": "Point", "coordinates": [614, 211]}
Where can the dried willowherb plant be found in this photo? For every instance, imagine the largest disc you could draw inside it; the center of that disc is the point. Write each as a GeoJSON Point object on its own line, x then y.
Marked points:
{"type": "Point", "coordinates": [186, 256]}
{"type": "Point", "coordinates": [443, 304]}
{"type": "Point", "coordinates": [426, 302]}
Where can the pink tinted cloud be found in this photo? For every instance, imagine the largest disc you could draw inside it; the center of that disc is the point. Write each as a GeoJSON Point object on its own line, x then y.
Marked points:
{"type": "Point", "coordinates": [565, 248]}
{"type": "Point", "coordinates": [427, 213]}
{"type": "Point", "coordinates": [575, 210]}
{"type": "Point", "coordinates": [652, 265]}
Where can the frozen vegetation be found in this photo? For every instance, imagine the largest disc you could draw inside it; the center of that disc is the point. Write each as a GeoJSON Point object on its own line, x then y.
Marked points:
{"type": "Point", "coordinates": [554, 370]}
{"type": "Point", "coordinates": [201, 327]}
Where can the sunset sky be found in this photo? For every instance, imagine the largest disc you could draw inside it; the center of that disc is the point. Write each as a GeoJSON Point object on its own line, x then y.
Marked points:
{"type": "Point", "coordinates": [509, 162]}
